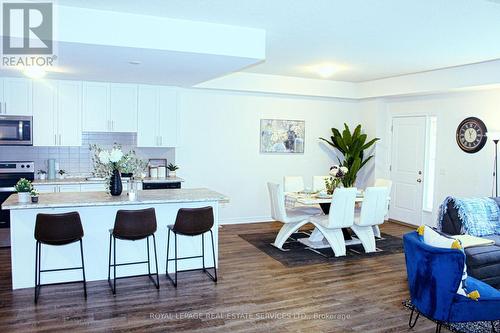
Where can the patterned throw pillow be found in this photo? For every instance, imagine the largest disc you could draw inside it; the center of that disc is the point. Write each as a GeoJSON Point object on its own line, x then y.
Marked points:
{"type": "Point", "coordinates": [433, 238]}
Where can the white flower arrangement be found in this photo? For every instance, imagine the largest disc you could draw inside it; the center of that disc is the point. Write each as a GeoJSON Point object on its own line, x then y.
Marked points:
{"type": "Point", "coordinates": [107, 161]}
{"type": "Point", "coordinates": [336, 173]}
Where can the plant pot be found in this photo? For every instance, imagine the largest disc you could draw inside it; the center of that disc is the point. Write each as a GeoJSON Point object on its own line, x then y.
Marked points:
{"type": "Point", "coordinates": [23, 197]}
{"type": "Point", "coordinates": [172, 174]}
{"type": "Point", "coordinates": [34, 199]}
{"type": "Point", "coordinates": [115, 184]}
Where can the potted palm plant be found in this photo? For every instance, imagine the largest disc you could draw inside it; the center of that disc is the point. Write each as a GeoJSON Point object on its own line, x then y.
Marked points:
{"type": "Point", "coordinates": [352, 146]}
{"type": "Point", "coordinates": [23, 189]}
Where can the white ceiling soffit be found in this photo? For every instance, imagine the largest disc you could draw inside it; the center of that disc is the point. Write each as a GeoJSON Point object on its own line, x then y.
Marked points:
{"type": "Point", "coordinates": [485, 75]}
{"type": "Point", "coordinates": [364, 39]}
{"type": "Point", "coordinates": [99, 45]}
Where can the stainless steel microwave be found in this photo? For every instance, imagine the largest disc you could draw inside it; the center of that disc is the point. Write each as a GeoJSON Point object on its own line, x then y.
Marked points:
{"type": "Point", "coordinates": [16, 131]}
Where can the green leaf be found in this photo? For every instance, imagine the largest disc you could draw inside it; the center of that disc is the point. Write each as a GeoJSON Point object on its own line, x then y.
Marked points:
{"type": "Point", "coordinates": [370, 143]}
{"type": "Point", "coordinates": [347, 135]}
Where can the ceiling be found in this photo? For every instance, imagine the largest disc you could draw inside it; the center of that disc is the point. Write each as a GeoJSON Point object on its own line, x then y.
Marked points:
{"type": "Point", "coordinates": [367, 39]}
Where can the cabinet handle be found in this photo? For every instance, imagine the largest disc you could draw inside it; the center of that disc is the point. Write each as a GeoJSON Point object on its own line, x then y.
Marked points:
{"type": "Point", "coordinates": [161, 140]}
{"type": "Point", "coordinates": [5, 107]}
{"type": "Point", "coordinates": [0, 108]}
{"type": "Point", "coordinates": [112, 125]}
{"type": "Point", "coordinates": [60, 141]}
{"type": "Point", "coordinates": [55, 139]}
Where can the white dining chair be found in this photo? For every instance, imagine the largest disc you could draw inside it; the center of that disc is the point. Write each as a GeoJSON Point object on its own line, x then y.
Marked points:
{"type": "Point", "coordinates": [372, 214]}
{"type": "Point", "coordinates": [319, 183]}
{"type": "Point", "coordinates": [293, 183]}
{"type": "Point", "coordinates": [341, 216]}
{"type": "Point", "coordinates": [292, 218]}
{"type": "Point", "coordinates": [382, 182]}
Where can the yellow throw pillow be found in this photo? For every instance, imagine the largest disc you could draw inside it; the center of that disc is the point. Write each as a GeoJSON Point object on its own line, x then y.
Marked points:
{"type": "Point", "coordinates": [433, 238]}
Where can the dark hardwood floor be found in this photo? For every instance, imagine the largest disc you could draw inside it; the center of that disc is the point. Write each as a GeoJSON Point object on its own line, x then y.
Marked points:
{"type": "Point", "coordinates": [348, 296]}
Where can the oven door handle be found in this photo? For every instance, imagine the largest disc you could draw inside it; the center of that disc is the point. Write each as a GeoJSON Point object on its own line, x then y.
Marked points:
{"type": "Point", "coordinates": [7, 189]}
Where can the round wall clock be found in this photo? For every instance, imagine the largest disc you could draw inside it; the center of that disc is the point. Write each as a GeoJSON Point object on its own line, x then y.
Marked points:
{"type": "Point", "coordinates": [471, 135]}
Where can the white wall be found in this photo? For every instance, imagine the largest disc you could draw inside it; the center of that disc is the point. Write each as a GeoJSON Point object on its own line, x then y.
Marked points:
{"type": "Point", "coordinates": [457, 173]}
{"type": "Point", "coordinates": [220, 145]}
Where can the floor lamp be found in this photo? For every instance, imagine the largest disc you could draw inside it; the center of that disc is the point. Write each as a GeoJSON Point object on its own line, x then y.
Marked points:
{"type": "Point", "coordinates": [495, 136]}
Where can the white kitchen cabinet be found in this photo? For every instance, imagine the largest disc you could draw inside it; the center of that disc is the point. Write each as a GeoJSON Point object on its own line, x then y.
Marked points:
{"type": "Point", "coordinates": [123, 107]}
{"type": "Point", "coordinates": [57, 113]}
{"type": "Point", "coordinates": [168, 117]}
{"type": "Point", "coordinates": [69, 188]}
{"type": "Point", "coordinates": [109, 107]}
{"type": "Point", "coordinates": [69, 113]}
{"type": "Point", "coordinates": [96, 187]}
{"type": "Point", "coordinates": [95, 107]}
{"type": "Point", "coordinates": [57, 188]}
{"type": "Point", "coordinates": [157, 119]}
{"type": "Point", "coordinates": [46, 188]}
{"type": "Point", "coordinates": [16, 97]}
{"type": "Point", "coordinates": [44, 121]}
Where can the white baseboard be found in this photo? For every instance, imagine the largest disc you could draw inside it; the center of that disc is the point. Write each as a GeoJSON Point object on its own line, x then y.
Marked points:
{"type": "Point", "coordinates": [245, 220]}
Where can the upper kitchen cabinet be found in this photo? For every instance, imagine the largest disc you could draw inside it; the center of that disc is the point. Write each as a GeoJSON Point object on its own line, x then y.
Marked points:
{"type": "Point", "coordinates": [69, 113]}
{"type": "Point", "coordinates": [109, 107]}
{"type": "Point", "coordinates": [157, 120]}
{"type": "Point", "coordinates": [15, 97]}
{"type": "Point", "coordinates": [123, 107]}
{"type": "Point", "coordinates": [96, 107]}
{"type": "Point", "coordinates": [57, 111]}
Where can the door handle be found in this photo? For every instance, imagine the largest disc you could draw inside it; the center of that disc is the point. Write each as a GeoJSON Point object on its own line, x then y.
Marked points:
{"type": "Point", "coordinates": [419, 180]}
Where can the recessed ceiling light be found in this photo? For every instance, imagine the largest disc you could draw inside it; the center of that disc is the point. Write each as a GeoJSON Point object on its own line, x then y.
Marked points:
{"type": "Point", "coordinates": [34, 72]}
{"type": "Point", "coordinates": [326, 70]}
{"type": "Point", "coordinates": [135, 62]}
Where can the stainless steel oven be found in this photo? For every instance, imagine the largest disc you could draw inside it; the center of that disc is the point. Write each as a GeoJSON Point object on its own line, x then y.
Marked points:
{"type": "Point", "coordinates": [10, 173]}
{"type": "Point", "coordinates": [16, 131]}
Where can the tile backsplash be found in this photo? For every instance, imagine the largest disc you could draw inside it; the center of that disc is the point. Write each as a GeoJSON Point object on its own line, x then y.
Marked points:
{"type": "Point", "coordinates": [76, 161]}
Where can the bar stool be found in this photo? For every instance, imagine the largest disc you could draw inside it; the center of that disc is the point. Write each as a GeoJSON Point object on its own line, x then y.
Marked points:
{"type": "Point", "coordinates": [57, 230]}
{"type": "Point", "coordinates": [133, 225]}
{"type": "Point", "coordinates": [192, 222]}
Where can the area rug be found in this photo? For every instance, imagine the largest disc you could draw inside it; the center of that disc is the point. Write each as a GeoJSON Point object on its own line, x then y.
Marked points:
{"type": "Point", "coordinates": [471, 327]}
{"type": "Point", "coordinates": [299, 255]}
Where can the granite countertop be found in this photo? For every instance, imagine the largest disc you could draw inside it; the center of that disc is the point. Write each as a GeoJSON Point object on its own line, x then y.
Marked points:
{"type": "Point", "coordinates": [68, 181]}
{"type": "Point", "coordinates": [86, 199]}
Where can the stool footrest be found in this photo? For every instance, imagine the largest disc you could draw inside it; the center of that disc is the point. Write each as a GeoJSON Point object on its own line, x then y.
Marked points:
{"type": "Point", "coordinates": [130, 263]}
{"type": "Point", "coordinates": [193, 257]}
{"type": "Point", "coordinates": [59, 269]}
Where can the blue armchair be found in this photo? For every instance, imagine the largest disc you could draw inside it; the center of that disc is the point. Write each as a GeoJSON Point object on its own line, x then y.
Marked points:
{"type": "Point", "coordinates": [434, 275]}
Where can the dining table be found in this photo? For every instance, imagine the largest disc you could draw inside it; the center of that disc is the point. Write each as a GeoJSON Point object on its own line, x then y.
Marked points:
{"type": "Point", "coordinates": [316, 240]}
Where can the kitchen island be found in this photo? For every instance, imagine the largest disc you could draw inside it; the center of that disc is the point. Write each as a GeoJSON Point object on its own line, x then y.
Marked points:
{"type": "Point", "coordinates": [97, 211]}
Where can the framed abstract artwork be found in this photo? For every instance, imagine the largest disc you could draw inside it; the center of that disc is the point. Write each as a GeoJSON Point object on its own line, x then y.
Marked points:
{"type": "Point", "coordinates": [279, 136]}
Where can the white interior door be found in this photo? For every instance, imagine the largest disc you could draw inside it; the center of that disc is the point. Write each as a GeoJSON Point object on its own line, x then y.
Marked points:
{"type": "Point", "coordinates": [407, 167]}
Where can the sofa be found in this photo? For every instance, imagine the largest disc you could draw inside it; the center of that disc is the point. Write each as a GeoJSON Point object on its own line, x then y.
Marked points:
{"type": "Point", "coordinates": [483, 262]}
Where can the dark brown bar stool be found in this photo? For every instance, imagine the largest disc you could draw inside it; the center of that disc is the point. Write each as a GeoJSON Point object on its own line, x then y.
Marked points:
{"type": "Point", "coordinates": [57, 229]}
{"type": "Point", "coordinates": [192, 222]}
{"type": "Point", "coordinates": [133, 225]}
